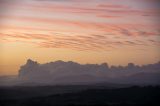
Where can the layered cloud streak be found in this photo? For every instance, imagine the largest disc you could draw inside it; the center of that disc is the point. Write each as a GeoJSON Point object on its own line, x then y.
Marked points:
{"type": "Point", "coordinates": [80, 25]}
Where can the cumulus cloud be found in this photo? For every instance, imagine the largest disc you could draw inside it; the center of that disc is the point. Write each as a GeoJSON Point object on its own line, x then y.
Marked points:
{"type": "Point", "coordinates": [60, 72]}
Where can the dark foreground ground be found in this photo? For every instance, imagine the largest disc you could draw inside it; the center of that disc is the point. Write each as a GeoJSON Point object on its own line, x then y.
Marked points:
{"type": "Point", "coordinates": [79, 96]}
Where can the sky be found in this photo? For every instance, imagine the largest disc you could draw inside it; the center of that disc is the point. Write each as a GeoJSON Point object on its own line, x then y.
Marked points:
{"type": "Point", "coordinates": [85, 31]}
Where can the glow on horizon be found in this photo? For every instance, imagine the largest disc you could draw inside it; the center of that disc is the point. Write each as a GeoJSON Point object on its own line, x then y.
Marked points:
{"type": "Point", "coordinates": [85, 31]}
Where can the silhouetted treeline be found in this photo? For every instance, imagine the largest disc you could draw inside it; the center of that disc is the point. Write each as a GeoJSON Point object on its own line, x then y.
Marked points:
{"type": "Point", "coordinates": [131, 96]}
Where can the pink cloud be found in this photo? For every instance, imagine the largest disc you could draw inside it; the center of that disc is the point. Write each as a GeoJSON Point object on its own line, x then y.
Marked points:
{"type": "Point", "coordinates": [111, 20]}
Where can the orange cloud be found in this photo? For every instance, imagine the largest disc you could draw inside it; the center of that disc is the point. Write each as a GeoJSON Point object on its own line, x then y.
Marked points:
{"type": "Point", "coordinates": [75, 42]}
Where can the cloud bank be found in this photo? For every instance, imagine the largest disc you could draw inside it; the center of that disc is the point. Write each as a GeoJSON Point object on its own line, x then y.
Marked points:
{"type": "Point", "coordinates": [60, 72]}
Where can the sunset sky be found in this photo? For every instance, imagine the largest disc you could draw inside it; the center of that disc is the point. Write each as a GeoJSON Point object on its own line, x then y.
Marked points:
{"type": "Point", "coordinates": [86, 31]}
